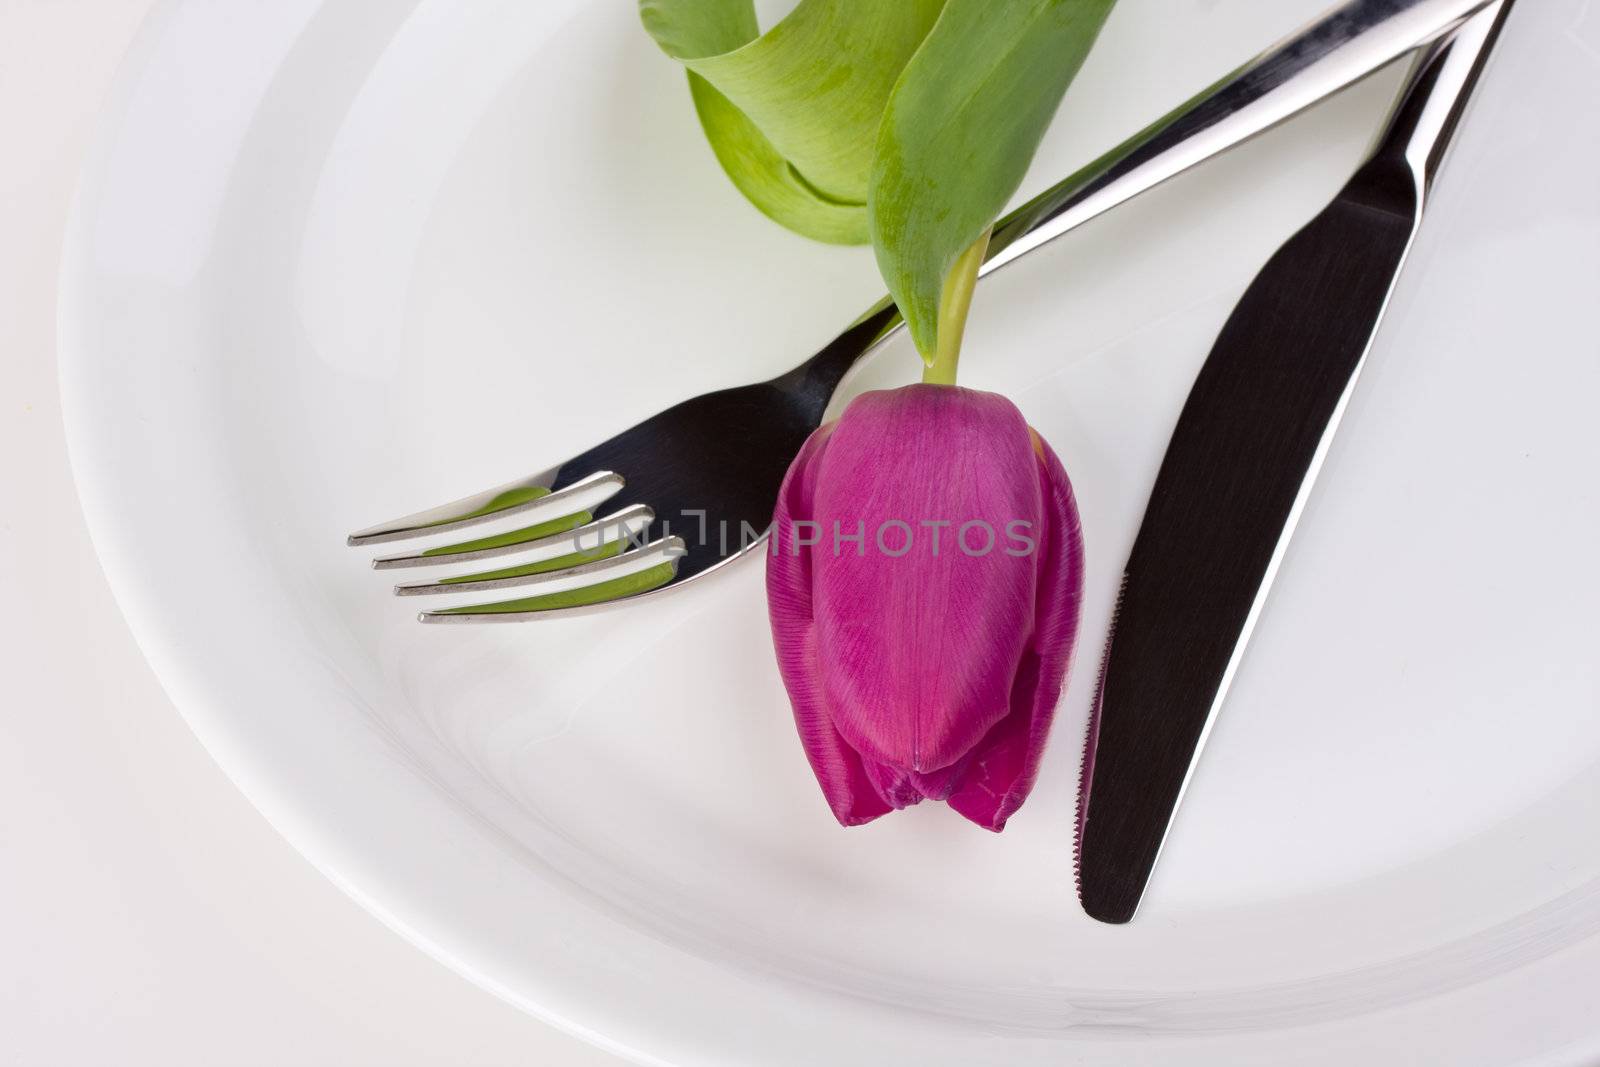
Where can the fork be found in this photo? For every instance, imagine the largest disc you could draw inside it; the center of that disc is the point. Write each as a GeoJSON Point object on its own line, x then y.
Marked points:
{"type": "Point", "coordinates": [712, 465]}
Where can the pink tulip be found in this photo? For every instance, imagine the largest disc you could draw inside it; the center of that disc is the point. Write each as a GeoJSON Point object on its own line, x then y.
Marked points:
{"type": "Point", "coordinates": [919, 664]}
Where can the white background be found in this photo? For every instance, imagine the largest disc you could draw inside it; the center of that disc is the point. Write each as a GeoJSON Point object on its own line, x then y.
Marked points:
{"type": "Point", "coordinates": [148, 914]}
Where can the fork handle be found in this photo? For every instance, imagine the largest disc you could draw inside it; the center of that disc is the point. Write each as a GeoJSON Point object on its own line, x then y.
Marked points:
{"type": "Point", "coordinates": [1344, 46]}
{"type": "Point", "coordinates": [1347, 44]}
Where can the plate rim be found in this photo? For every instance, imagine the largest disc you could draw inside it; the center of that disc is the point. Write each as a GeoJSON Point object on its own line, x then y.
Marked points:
{"type": "Point", "coordinates": [335, 855]}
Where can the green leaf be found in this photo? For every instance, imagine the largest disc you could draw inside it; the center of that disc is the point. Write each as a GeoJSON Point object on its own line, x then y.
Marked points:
{"type": "Point", "coordinates": [961, 127]}
{"type": "Point", "coordinates": [793, 114]}
{"type": "Point", "coordinates": [768, 180]}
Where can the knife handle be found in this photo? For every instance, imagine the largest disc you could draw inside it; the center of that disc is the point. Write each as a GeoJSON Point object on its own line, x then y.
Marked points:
{"type": "Point", "coordinates": [1427, 115]}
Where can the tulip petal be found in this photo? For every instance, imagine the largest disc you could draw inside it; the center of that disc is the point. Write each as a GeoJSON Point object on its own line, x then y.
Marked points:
{"type": "Point", "coordinates": [839, 770]}
{"type": "Point", "coordinates": [918, 650]}
{"type": "Point", "coordinates": [1005, 766]}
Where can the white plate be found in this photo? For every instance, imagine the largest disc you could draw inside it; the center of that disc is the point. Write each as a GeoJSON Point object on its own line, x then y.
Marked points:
{"type": "Point", "coordinates": [334, 261]}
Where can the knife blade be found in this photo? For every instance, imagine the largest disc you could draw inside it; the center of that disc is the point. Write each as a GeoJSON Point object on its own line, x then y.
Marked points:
{"type": "Point", "coordinates": [1237, 472]}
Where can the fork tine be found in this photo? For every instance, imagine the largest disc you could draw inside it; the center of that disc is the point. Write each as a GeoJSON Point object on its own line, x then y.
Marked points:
{"type": "Point", "coordinates": [530, 495]}
{"type": "Point", "coordinates": [549, 557]}
{"type": "Point", "coordinates": [616, 578]}
{"type": "Point", "coordinates": [550, 538]}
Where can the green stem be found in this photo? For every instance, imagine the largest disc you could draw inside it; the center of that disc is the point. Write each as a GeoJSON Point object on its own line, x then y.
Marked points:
{"type": "Point", "coordinates": [953, 305]}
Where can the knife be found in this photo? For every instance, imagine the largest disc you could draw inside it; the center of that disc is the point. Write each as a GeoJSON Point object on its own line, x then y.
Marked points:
{"type": "Point", "coordinates": [1238, 470]}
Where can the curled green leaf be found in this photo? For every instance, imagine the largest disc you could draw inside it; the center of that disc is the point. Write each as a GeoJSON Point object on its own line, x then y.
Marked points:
{"type": "Point", "coordinates": [793, 114]}
{"type": "Point", "coordinates": [909, 123]}
{"type": "Point", "coordinates": [961, 127]}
